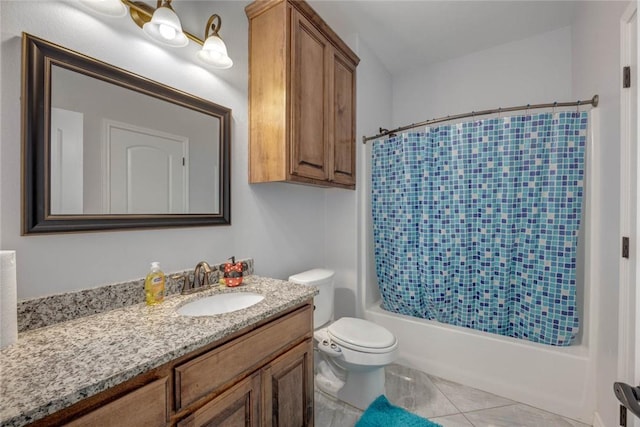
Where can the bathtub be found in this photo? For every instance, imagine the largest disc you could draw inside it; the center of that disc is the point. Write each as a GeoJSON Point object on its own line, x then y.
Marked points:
{"type": "Point", "coordinates": [557, 379]}
{"type": "Point", "coordinates": [561, 380]}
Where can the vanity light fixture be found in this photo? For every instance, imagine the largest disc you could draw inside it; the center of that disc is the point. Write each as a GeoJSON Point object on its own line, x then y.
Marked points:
{"type": "Point", "coordinates": [114, 8]}
{"type": "Point", "coordinates": [162, 24]}
{"type": "Point", "coordinates": [214, 51]}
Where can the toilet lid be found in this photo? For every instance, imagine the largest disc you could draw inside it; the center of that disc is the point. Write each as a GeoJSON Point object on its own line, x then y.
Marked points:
{"type": "Point", "coordinates": [360, 334]}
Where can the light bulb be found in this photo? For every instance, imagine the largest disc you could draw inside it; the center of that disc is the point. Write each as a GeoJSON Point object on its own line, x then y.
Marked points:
{"type": "Point", "coordinates": [214, 53]}
{"type": "Point", "coordinates": [167, 32]}
{"type": "Point", "coordinates": [165, 28]}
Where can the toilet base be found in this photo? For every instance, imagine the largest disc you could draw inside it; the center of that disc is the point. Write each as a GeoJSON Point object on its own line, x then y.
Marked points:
{"type": "Point", "coordinates": [326, 379]}
{"type": "Point", "coordinates": [359, 389]}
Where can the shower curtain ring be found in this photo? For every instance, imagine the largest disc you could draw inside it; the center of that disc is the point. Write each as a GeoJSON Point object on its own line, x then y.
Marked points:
{"type": "Point", "coordinates": [555, 104]}
{"type": "Point", "coordinates": [578, 106]}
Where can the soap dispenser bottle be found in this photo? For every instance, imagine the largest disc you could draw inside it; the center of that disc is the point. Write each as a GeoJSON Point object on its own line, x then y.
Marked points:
{"type": "Point", "coordinates": [154, 285]}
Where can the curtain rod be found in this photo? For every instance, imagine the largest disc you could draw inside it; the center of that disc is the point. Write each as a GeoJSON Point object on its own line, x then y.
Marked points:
{"type": "Point", "coordinates": [384, 132]}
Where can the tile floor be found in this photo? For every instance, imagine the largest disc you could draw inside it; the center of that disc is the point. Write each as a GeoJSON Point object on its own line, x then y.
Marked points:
{"type": "Point", "coordinates": [444, 402]}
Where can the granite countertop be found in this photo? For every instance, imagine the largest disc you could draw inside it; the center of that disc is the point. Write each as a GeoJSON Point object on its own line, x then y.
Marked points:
{"type": "Point", "coordinates": [53, 367]}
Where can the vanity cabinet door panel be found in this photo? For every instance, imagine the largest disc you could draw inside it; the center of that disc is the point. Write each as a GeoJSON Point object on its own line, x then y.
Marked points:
{"type": "Point", "coordinates": [343, 112]}
{"type": "Point", "coordinates": [309, 58]}
{"type": "Point", "coordinates": [146, 406]}
{"type": "Point", "coordinates": [238, 406]}
{"type": "Point", "coordinates": [288, 388]}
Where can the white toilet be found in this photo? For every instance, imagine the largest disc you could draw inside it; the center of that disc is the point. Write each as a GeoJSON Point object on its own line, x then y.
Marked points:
{"type": "Point", "coordinates": [352, 353]}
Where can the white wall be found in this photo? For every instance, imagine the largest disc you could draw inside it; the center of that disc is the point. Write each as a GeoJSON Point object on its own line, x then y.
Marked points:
{"type": "Point", "coordinates": [281, 226]}
{"type": "Point", "coordinates": [346, 209]}
{"type": "Point", "coordinates": [529, 71]}
{"type": "Point", "coordinates": [596, 68]}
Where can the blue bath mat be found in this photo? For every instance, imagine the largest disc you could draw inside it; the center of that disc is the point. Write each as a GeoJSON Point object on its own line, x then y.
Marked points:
{"type": "Point", "coordinates": [381, 413]}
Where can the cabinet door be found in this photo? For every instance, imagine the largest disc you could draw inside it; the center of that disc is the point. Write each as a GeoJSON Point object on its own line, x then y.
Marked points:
{"type": "Point", "coordinates": [310, 57]}
{"type": "Point", "coordinates": [237, 406]}
{"type": "Point", "coordinates": [288, 388]}
{"type": "Point", "coordinates": [343, 111]}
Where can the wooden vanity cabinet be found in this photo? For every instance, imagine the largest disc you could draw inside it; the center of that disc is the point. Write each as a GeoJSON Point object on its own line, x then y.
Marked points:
{"type": "Point", "coordinates": [302, 97]}
{"type": "Point", "coordinates": [262, 376]}
{"type": "Point", "coordinates": [274, 364]}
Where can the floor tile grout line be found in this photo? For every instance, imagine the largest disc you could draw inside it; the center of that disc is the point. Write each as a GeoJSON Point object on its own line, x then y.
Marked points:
{"type": "Point", "coordinates": [513, 402]}
{"type": "Point", "coordinates": [553, 413]}
{"type": "Point", "coordinates": [521, 404]}
{"type": "Point", "coordinates": [468, 420]}
{"type": "Point", "coordinates": [443, 393]}
{"type": "Point", "coordinates": [497, 407]}
{"type": "Point", "coordinates": [466, 386]}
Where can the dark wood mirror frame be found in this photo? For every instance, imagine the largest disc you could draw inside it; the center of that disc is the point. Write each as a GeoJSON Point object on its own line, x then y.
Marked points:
{"type": "Point", "coordinates": [37, 58]}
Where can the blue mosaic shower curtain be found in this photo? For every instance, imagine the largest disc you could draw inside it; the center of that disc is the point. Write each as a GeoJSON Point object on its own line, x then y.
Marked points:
{"type": "Point", "coordinates": [476, 224]}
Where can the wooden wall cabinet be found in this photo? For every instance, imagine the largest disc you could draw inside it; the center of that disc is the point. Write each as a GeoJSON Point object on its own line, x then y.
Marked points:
{"type": "Point", "coordinates": [262, 377]}
{"type": "Point", "coordinates": [302, 97]}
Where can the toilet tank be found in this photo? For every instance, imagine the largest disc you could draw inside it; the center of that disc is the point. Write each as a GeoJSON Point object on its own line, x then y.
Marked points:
{"type": "Point", "coordinates": [323, 302]}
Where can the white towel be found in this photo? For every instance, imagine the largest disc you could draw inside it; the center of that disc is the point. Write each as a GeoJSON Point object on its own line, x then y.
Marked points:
{"type": "Point", "coordinates": [8, 299]}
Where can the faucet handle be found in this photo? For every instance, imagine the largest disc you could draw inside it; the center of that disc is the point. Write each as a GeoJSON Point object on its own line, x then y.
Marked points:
{"type": "Point", "coordinates": [187, 284]}
{"type": "Point", "coordinates": [213, 276]}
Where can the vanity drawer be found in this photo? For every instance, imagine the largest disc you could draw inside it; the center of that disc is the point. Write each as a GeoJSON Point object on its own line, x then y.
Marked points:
{"type": "Point", "coordinates": [145, 406]}
{"type": "Point", "coordinates": [207, 373]}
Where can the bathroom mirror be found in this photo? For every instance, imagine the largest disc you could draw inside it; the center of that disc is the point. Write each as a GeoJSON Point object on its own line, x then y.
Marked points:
{"type": "Point", "coordinates": [104, 148]}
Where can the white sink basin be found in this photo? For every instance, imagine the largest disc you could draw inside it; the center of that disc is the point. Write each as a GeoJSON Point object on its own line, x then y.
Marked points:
{"type": "Point", "coordinates": [220, 303]}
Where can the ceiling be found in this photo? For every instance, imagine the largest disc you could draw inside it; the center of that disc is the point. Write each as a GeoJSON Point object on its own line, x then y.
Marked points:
{"type": "Point", "coordinates": [410, 34]}
{"type": "Point", "coordinates": [407, 34]}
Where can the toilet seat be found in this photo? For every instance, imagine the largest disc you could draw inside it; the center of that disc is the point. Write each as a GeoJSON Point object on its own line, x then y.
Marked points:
{"type": "Point", "coordinates": [354, 356]}
{"type": "Point", "coordinates": [361, 335]}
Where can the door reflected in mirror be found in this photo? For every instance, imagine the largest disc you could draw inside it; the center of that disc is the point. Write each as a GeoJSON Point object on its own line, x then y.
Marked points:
{"type": "Point", "coordinates": [107, 149]}
{"type": "Point", "coordinates": [117, 151]}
